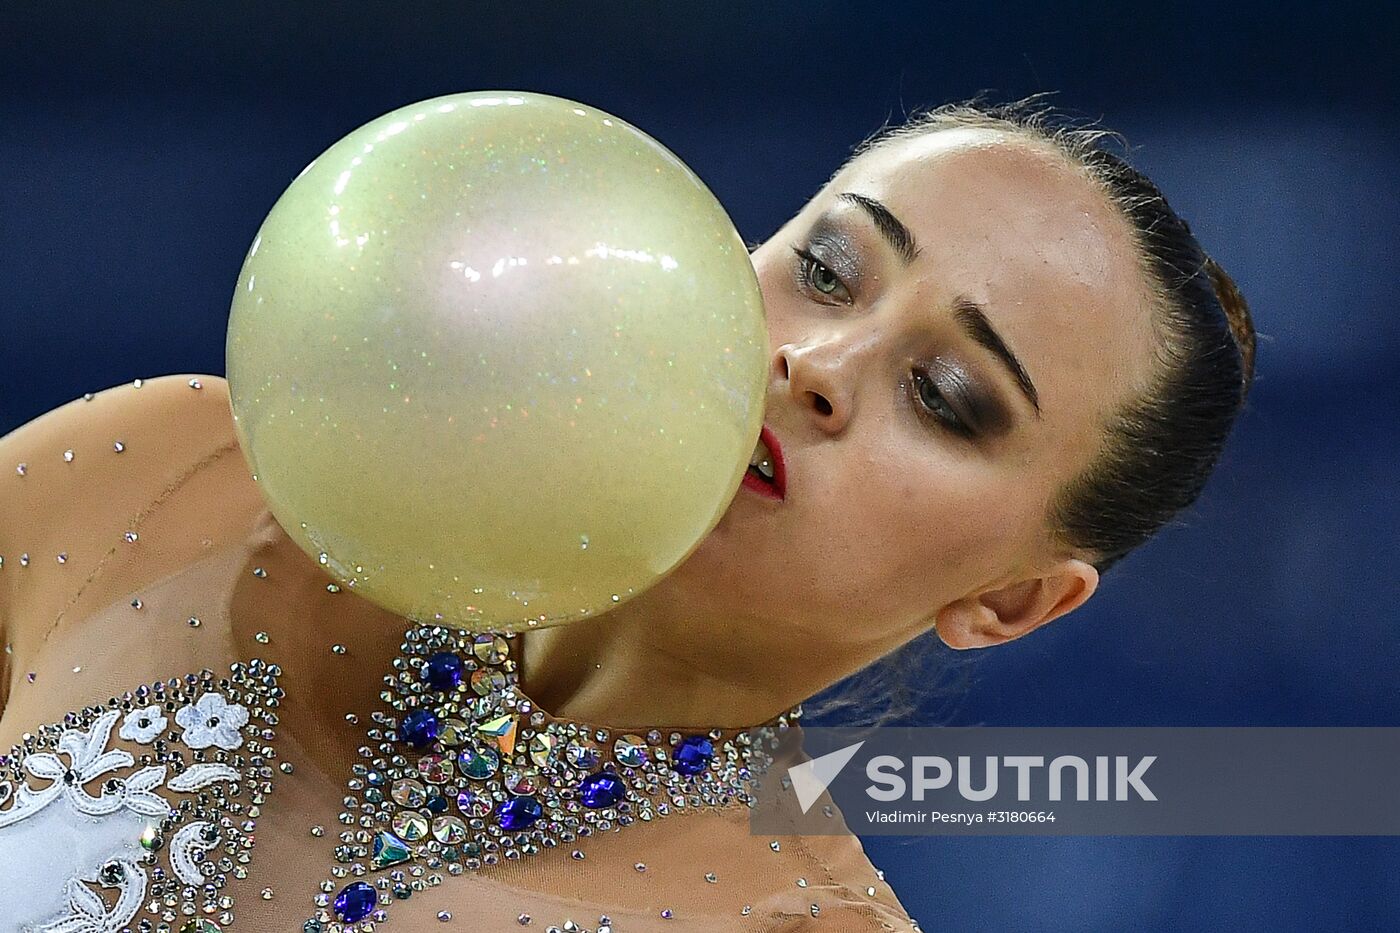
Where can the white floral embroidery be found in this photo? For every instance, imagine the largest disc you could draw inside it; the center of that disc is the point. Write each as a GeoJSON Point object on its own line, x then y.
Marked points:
{"type": "Point", "coordinates": [188, 847]}
{"type": "Point", "coordinates": [88, 761]}
{"type": "Point", "coordinates": [198, 777]}
{"type": "Point", "coordinates": [143, 725]}
{"type": "Point", "coordinates": [95, 837]}
{"type": "Point", "coordinates": [88, 794]}
{"type": "Point", "coordinates": [125, 800]}
{"type": "Point", "coordinates": [212, 720]}
{"type": "Point", "coordinates": [87, 912]}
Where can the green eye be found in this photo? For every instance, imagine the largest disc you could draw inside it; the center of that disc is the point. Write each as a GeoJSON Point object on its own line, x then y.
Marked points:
{"type": "Point", "coordinates": [824, 280]}
{"type": "Point", "coordinates": [818, 276]}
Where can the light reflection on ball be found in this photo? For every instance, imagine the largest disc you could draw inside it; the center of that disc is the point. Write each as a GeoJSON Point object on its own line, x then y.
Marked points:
{"type": "Point", "coordinates": [497, 359]}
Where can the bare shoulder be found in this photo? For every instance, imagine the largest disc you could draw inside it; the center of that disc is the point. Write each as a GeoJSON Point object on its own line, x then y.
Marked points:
{"type": "Point", "coordinates": [76, 480]}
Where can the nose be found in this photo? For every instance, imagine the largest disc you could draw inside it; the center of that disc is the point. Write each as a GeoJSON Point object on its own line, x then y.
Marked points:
{"type": "Point", "coordinates": [812, 376]}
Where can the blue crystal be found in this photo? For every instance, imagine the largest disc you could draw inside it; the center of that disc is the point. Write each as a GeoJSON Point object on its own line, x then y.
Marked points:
{"type": "Point", "coordinates": [355, 902]}
{"type": "Point", "coordinates": [443, 671]}
{"type": "Point", "coordinates": [436, 804]}
{"type": "Point", "coordinates": [693, 754]}
{"type": "Point", "coordinates": [519, 812]}
{"type": "Point", "coordinates": [603, 789]}
{"type": "Point", "coordinates": [419, 728]}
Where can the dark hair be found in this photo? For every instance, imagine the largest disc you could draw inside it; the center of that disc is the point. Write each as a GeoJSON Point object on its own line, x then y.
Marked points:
{"type": "Point", "coordinates": [1157, 450]}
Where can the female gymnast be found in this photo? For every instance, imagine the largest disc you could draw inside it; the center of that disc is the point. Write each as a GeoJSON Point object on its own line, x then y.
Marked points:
{"type": "Point", "coordinates": [999, 362]}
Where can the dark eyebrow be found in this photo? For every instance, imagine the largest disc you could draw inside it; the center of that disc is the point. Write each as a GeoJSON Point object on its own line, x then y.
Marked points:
{"type": "Point", "coordinates": [968, 313]}
{"type": "Point", "coordinates": [894, 232]}
{"type": "Point", "coordinates": [973, 320]}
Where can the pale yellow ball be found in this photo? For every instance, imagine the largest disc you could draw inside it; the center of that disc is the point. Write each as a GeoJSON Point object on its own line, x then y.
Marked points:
{"type": "Point", "coordinates": [497, 359]}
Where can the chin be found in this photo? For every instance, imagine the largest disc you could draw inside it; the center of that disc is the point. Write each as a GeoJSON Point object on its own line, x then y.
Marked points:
{"type": "Point", "coordinates": [713, 566]}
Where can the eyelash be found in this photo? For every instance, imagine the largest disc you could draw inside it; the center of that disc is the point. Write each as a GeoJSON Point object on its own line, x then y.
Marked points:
{"type": "Point", "coordinates": [951, 421]}
{"type": "Point", "coordinates": [807, 265]}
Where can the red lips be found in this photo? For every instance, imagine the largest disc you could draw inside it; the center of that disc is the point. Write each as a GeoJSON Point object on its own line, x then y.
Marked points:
{"type": "Point", "coordinates": [778, 488]}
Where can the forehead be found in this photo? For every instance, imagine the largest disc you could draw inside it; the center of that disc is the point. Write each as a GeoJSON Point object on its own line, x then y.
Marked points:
{"type": "Point", "coordinates": [1019, 229]}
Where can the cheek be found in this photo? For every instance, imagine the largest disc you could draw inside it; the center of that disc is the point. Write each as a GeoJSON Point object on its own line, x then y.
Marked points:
{"type": "Point", "coordinates": [896, 548]}
{"type": "Point", "coordinates": [779, 294]}
{"type": "Point", "coordinates": [940, 528]}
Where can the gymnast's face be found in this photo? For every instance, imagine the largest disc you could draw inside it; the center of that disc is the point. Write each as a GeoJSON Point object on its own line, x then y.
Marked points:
{"type": "Point", "coordinates": [920, 461]}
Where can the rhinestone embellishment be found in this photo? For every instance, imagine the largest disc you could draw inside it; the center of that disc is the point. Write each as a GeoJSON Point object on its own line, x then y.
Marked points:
{"type": "Point", "coordinates": [475, 774]}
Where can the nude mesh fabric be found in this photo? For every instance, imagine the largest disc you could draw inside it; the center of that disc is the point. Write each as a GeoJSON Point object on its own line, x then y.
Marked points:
{"type": "Point", "coordinates": [182, 485]}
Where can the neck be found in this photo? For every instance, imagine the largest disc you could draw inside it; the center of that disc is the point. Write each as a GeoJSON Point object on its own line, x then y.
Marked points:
{"type": "Point", "coordinates": [634, 667]}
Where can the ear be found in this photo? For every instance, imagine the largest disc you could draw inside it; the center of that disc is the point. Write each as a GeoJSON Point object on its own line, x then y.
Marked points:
{"type": "Point", "coordinates": [995, 616]}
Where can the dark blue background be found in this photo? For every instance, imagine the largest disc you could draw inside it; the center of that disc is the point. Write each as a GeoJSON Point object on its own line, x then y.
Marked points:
{"type": "Point", "coordinates": [139, 153]}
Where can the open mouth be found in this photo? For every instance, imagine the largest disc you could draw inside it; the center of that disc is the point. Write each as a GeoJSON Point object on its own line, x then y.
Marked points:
{"type": "Point", "coordinates": [766, 475]}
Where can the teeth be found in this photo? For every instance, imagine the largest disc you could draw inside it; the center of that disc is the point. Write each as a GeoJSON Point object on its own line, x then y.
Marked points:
{"type": "Point", "coordinates": [762, 458]}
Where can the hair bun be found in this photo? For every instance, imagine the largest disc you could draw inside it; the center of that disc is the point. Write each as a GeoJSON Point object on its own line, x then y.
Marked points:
{"type": "Point", "coordinates": [1237, 313]}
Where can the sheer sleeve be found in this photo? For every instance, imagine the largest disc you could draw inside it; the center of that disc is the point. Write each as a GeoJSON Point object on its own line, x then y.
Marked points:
{"type": "Point", "coordinates": [840, 889]}
{"type": "Point", "coordinates": [853, 894]}
{"type": "Point", "coordinates": [861, 888]}
{"type": "Point", "coordinates": [75, 485]}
